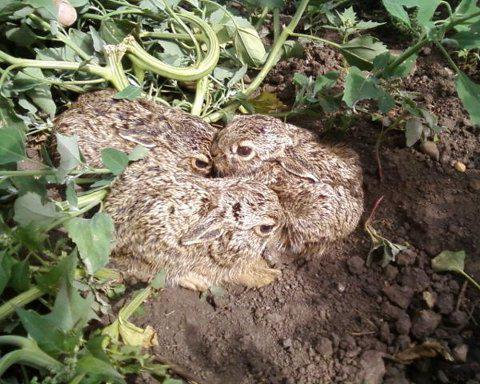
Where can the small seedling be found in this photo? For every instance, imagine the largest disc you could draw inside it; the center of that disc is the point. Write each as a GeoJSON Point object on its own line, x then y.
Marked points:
{"type": "Point", "coordinates": [450, 261]}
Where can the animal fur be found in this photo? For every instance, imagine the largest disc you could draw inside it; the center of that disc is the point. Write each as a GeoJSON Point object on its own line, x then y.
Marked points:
{"type": "Point", "coordinates": [319, 185]}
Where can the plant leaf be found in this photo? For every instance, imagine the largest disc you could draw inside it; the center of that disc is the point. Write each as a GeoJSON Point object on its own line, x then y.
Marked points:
{"type": "Point", "coordinates": [469, 93]}
{"type": "Point", "coordinates": [361, 51]}
{"type": "Point", "coordinates": [138, 153]}
{"type": "Point", "coordinates": [248, 45]}
{"type": "Point", "coordinates": [413, 131]}
{"type": "Point", "coordinates": [93, 238]}
{"type": "Point", "coordinates": [67, 147]}
{"type": "Point", "coordinates": [449, 261]}
{"type": "Point", "coordinates": [116, 161]}
{"type": "Point", "coordinates": [131, 92]}
{"type": "Point", "coordinates": [29, 209]}
{"type": "Point", "coordinates": [12, 145]}
{"type": "Point", "coordinates": [8, 118]}
{"type": "Point", "coordinates": [426, 9]}
{"type": "Point", "coordinates": [358, 87]}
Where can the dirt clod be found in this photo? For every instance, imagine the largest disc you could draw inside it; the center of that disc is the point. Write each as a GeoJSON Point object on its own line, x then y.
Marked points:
{"type": "Point", "coordinates": [424, 323]}
{"type": "Point", "coordinates": [373, 367]}
{"type": "Point", "coordinates": [356, 265]}
{"type": "Point", "coordinates": [398, 295]}
{"type": "Point", "coordinates": [324, 347]}
{"type": "Point", "coordinates": [430, 149]}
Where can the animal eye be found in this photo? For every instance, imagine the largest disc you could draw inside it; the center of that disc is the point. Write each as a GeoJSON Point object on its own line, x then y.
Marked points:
{"type": "Point", "coordinates": [244, 151]}
{"type": "Point", "coordinates": [201, 164]}
{"type": "Point", "coordinates": [264, 229]}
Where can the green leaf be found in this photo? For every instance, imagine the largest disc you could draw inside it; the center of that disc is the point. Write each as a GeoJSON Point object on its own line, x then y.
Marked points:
{"type": "Point", "coordinates": [45, 333]}
{"type": "Point", "coordinates": [8, 118]}
{"type": "Point", "coordinates": [426, 9]}
{"type": "Point", "coordinates": [71, 195]}
{"type": "Point", "coordinates": [470, 38]}
{"type": "Point", "coordinates": [33, 82]}
{"type": "Point", "coordinates": [469, 93]}
{"type": "Point", "coordinates": [12, 145]}
{"type": "Point", "coordinates": [64, 270]}
{"type": "Point", "coordinates": [270, 4]}
{"type": "Point", "coordinates": [29, 209]}
{"type": "Point", "coordinates": [381, 62]}
{"type": "Point", "coordinates": [449, 261]}
{"type": "Point", "coordinates": [325, 81]}
{"type": "Point", "coordinates": [70, 310]}
{"type": "Point", "coordinates": [116, 161]}
{"type": "Point", "coordinates": [6, 263]}
{"type": "Point", "coordinates": [413, 131]}
{"type": "Point", "coordinates": [113, 32]}
{"type": "Point", "coordinates": [267, 103]}
{"type": "Point", "coordinates": [93, 238]}
{"type": "Point", "coordinates": [20, 280]}
{"type": "Point", "coordinates": [466, 8]}
{"type": "Point", "coordinates": [358, 87]}
{"type": "Point", "coordinates": [158, 281]}
{"type": "Point", "coordinates": [131, 92]}
{"type": "Point", "coordinates": [248, 45]}
{"type": "Point", "coordinates": [97, 368]}
{"type": "Point", "coordinates": [67, 147]}
{"type": "Point", "coordinates": [361, 51]}
{"type": "Point", "coordinates": [138, 153]}
{"type": "Point", "coordinates": [48, 7]}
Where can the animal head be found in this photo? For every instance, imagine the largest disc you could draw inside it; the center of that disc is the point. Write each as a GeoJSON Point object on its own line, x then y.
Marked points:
{"type": "Point", "coordinates": [240, 219]}
{"type": "Point", "coordinates": [248, 142]}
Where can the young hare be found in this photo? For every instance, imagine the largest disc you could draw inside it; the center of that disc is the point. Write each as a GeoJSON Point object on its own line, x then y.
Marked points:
{"type": "Point", "coordinates": [319, 186]}
{"type": "Point", "coordinates": [175, 138]}
{"type": "Point", "coordinates": [201, 231]}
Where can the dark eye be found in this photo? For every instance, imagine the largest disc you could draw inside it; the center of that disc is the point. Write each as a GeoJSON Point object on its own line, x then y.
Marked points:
{"type": "Point", "coordinates": [201, 164]}
{"type": "Point", "coordinates": [244, 151]}
{"type": "Point", "coordinates": [266, 229]}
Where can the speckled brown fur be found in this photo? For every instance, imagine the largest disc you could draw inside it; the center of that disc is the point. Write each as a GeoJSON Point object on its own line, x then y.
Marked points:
{"type": "Point", "coordinates": [319, 186]}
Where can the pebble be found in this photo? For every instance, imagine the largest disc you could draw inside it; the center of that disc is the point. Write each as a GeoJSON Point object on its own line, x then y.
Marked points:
{"type": "Point", "coordinates": [445, 303]}
{"type": "Point", "coordinates": [425, 323]}
{"type": "Point", "coordinates": [430, 298]}
{"type": "Point", "coordinates": [458, 318]}
{"type": "Point", "coordinates": [391, 272]}
{"type": "Point", "coordinates": [403, 324]}
{"type": "Point", "coordinates": [430, 149]}
{"type": "Point", "coordinates": [460, 353]}
{"type": "Point", "coordinates": [373, 367]}
{"type": "Point", "coordinates": [356, 265]}
{"type": "Point", "coordinates": [474, 185]}
{"type": "Point", "coordinates": [287, 343]}
{"type": "Point", "coordinates": [401, 296]}
{"type": "Point", "coordinates": [391, 311]}
{"type": "Point", "coordinates": [406, 257]}
{"type": "Point", "coordinates": [324, 347]}
{"type": "Point", "coordinates": [460, 167]}
{"type": "Point", "coordinates": [416, 278]}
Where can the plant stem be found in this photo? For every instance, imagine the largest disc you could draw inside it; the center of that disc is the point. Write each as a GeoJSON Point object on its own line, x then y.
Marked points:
{"type": "Point", "coordinates": [276, 24]}
{"type": "Point", "coordinates": [405, 55]}
{"type": "Point", "coordinates": [200, 92]}
{"type": "Point", "coordinates": [261, 18]}
{"type": "Point", "coordinates": [469, 278]}
{"type": "Point", "coordinates": [316, 38]}
{"type": "Point", "coordinates": [44, 172]}
{"type": "Point", "coordinates": [35, 358]}
{"type": "Point", "coordinates": [114, 54]}
{"type": "Point", "coordinates": [447, 56]}
{"type": "Point", "coordinates": [272, 59]}
{"type": "Point", "coordinates": [19, 301]}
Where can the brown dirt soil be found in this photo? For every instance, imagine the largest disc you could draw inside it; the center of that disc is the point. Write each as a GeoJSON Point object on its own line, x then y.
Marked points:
{"type": "Point", "coordinates": [331, 319]}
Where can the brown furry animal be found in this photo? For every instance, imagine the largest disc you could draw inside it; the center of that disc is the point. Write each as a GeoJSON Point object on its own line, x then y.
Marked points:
{"type": "Point", "coordinates": [319, 186]}
{"type": "Point", "coordinates": [167, 214]}
{"type": "Point", "coordinates": [173, 136]}
{"type": "Point", "coordinates": [202, 231]}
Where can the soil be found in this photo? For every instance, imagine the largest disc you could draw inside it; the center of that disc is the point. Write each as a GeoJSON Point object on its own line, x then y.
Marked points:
{"type": "Point", "coordinates": [332, 319]}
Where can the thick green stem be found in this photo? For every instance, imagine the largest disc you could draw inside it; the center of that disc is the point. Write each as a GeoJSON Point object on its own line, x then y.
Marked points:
{"type": "Point", "coordinates": [44, 172]}
{"type": "Point", "coordinates": [200, 92]}
{"type": "Point", "coordinates": [261, 18]}
{"type": "Point", "coordinates": [114, 54]}
{"type": "Point", "coordinates": [35, 358]}
{"type": "Point", "coordinates": [405, 55]}
{"type": "Point", "coordinates": [272, 59]}
{"type": "Point", "coordinates": [276, 24]}
{"type": "Point", "coordinates": [19, 301]}
{"type": "Point", "coordinates": [195, 72]}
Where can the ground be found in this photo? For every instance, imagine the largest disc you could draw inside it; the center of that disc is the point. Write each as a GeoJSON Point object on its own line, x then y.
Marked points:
{"type": "Point", "coordinates": [332, 319]}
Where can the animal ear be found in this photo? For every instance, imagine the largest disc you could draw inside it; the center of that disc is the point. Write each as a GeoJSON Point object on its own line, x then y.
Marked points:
{"type": "Point", "coordinates": [207, 228]}
{"type": "Point", "coordinates": [296, 167]}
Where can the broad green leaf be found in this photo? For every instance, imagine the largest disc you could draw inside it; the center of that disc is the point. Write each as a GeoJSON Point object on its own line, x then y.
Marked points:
{"type": "Point", "coordinates": [426, 9]}
{"type": "Point", "coordinates": [8, 118]}
{"type": "Point", "coordinates": [237, 76]}
{"type": "Point", "coordinates": [26, 184]}
{"type": "Point", "coordinates": [29, 209]}
{"type": "Point", "coordinates": [30, 237]}
{"type": "Point", "coordinates": [361, 51]}
{"type": "Point", "coordinates": [46, 333]}
{"type": "Point", "coordinates": [67, 148]}
{"type": "Point", "coordinates": [20, 280]}
{"type": "Point", "coordinates": [48, 7]}
{"type": "Point", "coordinates": [99, 369]}
{"type": "Point", "coordinates": [267, 103]}
{"type": "Point", "coordinates": [22, 36]}
{"type": "Point", "coordinates": [470, 38]}
{"type": "Point", "coordinates": [6, 264]}
{"type": "Point", "coordinates": [93, 238]}
{"type": "Point", "coordinates": [71, 195]}
{"type": "Point", "coordinates": [358, 87]}
{"type": "Point", "coordinates": [469, 93]}
{"type": "Point", "coordinates": [413, 131]}
{"type": "Point", "coordinates": [158, 281]}
{"type": "Point", "coordinates": [325, 81]}
{"type": "Point", "coordinates": [114, 31]}
{"type": "Point", "coordinates": [248, 45]}
{"type": "Point", "coordinates": [381, 62]}
{"type": "Point", "coordinates": [63, 271]}
{"type": "Point", "coordinates": [222, 73]}
{"type": "Point", "coordinates": [33, 82]}
{"type": "Point", "coordinates": [12, 145]}
{"type": "Point", "coordinates": [466, 8]}
{"type": "Point", "coordinates": [138, 153]}
{"type": "Point", "coordinates": [70, 310]}
{"type": "Point", "coordinates": [449, 261]}
{"type": "Point", "coordinates": [292, 48]}
{"type": "Point", "coordinates": [270, 4]}
{"type": "Point", "coordinates": [116, 161]}
{"type": "Point", "coordinates": [131, 92]}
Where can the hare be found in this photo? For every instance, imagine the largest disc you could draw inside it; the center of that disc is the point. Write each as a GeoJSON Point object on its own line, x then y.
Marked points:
{"type": "Point", "coordinates": [201, 231]}
{"type": "Point", "coordinates": [173, 136]}
{"type": "Point", "coordinates": [318, 185]}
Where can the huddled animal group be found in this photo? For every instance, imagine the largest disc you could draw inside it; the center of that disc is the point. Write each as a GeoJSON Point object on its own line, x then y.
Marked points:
{"type": "Point", "coordinates": [214, 206]}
